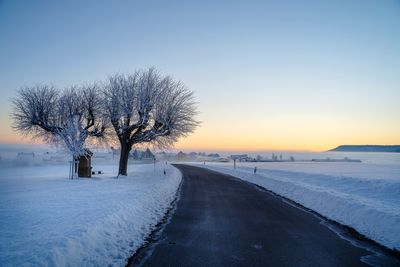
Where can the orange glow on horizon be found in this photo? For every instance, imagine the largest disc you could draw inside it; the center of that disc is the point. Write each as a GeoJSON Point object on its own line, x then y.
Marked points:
{"type": "Point", "coordinates": [277, 135]}
{"type": "Point", "coordinates": [196, 143]}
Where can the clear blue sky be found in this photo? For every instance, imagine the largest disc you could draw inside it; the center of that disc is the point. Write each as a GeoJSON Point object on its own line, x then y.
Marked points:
{"type": "Point", "coordinates": [267, 74]}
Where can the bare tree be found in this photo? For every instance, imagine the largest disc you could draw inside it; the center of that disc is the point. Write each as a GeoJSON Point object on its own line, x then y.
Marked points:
{"type": "Point", "coordinates": [66, 118]}
{"type": "Point", "coordinates": [145, 107]}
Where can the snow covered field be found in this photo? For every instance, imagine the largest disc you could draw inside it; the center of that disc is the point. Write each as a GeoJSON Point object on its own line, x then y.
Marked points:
{"type": "Point", "coordinates": [365, 196]}
{"type": "Point", "coordinates": [48, 220]}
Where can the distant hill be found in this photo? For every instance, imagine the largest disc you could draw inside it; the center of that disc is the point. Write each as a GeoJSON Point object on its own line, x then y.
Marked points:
{"type": "Point", "coordinates": [367, 148]}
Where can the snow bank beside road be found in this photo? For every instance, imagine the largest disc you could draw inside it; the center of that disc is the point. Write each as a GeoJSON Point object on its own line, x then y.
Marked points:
{"type": "Point", "coordinates": [370, 206]}
{"type": "Point", "coordinates": [48, 220]}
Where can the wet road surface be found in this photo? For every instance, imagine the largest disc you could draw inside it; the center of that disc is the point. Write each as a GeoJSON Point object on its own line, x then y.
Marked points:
{"type": "Point", "coordinates": [222, 221]}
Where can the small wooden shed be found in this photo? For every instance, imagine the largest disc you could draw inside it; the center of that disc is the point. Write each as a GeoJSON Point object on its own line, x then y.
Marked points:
{"type": "Point", "coordinates": [85, 165]}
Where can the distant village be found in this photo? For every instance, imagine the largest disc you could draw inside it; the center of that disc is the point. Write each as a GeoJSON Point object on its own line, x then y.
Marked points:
{"type": "Point", "coordinates": [143, 155]}
{"type": "Point", "coordinates": [148, 156]}
{"type": "Point", "coordinates": [203, 156]}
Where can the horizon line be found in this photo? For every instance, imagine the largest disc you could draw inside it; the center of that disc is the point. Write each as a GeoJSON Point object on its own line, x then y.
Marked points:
{"type": "Point", "coordinates": [198, 149]}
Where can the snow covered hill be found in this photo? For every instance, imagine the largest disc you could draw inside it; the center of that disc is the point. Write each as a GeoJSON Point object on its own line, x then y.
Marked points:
{"type": "Point", "coordinates": [48, 220]}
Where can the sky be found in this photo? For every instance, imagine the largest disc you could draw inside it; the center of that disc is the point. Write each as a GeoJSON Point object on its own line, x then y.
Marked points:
{"type": "Point", "coordinates": [267, 75]}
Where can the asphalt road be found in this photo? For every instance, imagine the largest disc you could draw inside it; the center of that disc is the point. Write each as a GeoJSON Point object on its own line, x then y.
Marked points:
{"type": "Point", "coordinates": [222, 221]}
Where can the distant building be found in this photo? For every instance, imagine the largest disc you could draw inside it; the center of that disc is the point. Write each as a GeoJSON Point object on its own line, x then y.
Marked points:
{"type": "Point", "coordinates": [238, 157]}
{"type": "Point", "coordinates": [147, 154]}
{"type": "Point", "coordinates": [181, 156]}
{"type": "Point", "coordinates": [192, 156]}
{"type": "Point", "coordinates": [142, 155]}
{"type": "Point", "coordinates": [162, 156]}
{"type": "Point", "coordinates": [242, 158]}
{"type": "Point", "coordinates": [134, 155]}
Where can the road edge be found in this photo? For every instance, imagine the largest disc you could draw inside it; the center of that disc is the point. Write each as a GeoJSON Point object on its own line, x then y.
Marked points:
{"type": "Point", "coordinates": [137, 256]}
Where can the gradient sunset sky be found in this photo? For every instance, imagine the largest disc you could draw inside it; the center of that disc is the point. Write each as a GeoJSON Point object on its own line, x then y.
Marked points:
{"type": "Point", "coordinates": [268, 75]}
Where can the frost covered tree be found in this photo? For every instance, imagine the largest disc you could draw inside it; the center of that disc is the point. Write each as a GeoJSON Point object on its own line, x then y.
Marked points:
{"type": "Point", "coordinates": [145, 107]}
{"type": "Point", "coordinates": [68, 118]}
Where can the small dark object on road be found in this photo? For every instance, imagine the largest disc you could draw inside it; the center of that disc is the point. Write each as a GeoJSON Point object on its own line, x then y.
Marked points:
{"type": "Point", "coordinates": [255, 169]}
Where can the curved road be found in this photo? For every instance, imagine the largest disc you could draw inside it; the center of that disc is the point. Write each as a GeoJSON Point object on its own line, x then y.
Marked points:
{"type": "Point", "coordinates": [222, 221]}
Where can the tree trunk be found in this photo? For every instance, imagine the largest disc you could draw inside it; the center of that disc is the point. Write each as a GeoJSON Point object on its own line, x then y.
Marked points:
{"type": "Point", "coordinates": [123, 159]}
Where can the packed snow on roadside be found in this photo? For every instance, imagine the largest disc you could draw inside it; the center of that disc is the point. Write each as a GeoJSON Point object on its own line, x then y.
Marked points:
{"type": "Point", "coordinates": [48, 220]}
{"type": "Point", "coordinates": [363, 196]}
